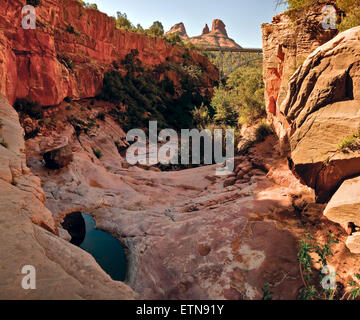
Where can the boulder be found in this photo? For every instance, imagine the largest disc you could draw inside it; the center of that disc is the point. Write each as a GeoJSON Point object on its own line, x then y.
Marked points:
{"type": "Point", "coordinates": [229, 182]}
{"type": "Point", "coordinates": [344, 206]}
{"type": "Point", "coordinates": [353, 243]}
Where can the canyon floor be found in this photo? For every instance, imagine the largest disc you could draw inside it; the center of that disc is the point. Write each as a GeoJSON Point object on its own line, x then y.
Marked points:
{"type": "Point", "coordinates": [189, 234]}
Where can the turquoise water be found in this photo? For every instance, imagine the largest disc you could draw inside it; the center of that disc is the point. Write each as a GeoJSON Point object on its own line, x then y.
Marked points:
{"type": "Point", "coordinates": [107, 251]}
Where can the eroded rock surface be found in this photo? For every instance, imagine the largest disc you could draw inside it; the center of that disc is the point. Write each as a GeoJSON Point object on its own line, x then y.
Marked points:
{"type": "Point", "coordinates": [63, 271]}
{"type": "Point", "coordinates": [315, 110]}
{"type": "Point", "coordinates": [189, 234]}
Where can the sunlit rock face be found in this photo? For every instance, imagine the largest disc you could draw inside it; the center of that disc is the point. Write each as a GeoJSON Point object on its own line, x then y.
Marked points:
{"type": "Point", "coordinates": [34, 64]}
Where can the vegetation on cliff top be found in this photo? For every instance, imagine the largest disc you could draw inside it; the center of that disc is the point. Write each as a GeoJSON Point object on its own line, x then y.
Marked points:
{"type": "Point", "coordinates": [88, 5]}
{"type": "Point", "coordinates": [350, 10]}
{"type": "Point", "coordinates": [155, 30]}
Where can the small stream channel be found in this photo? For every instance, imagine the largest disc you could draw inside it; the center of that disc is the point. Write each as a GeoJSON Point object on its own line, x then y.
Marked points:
{"type": "Point", "coordinates": [107, 251]}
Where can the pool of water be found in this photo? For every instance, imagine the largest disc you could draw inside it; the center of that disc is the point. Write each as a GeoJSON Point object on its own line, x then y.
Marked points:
{"type": "Point", "coordinates": [107, 251]}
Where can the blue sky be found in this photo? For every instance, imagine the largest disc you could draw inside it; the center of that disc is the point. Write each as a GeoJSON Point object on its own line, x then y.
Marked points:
{"type": "Point", "coordinates": [243, 18]}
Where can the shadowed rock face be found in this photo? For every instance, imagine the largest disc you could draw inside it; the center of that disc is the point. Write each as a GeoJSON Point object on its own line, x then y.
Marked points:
{"type": "Point", "coordinates": [74, 223]}
{"type": "Point", "coordinates": [58, 158]}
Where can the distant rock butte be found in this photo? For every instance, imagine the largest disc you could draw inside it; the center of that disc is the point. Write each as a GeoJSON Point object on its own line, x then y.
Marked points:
{"type": "Point", "coordinates": [217, 37]}
{"type": "Point", "coordinates": [206, 30]}
{"type": "Point", "coordinates": [219, 27]}
{"type": "Point", "coordinates": [180, 28]}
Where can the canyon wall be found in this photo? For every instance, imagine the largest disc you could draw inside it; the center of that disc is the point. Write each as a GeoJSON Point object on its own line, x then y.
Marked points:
{"type": "Point", "coordinates": [312, 97]}
{"type": "Point", "coordinates": [287, 42]}
{"type": "Point", "coordinates": [33, 63]}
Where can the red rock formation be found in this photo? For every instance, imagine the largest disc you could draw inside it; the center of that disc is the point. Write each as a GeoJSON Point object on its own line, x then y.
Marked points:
{"type": "Point", "coordinates": [218, 26]}
{"type": "Point", "coordinates": [206, 30]}
{"type": "Point", "coordinates": [218, 36]}
{"type": "Point", "coordinates": [179, 28]}
{"type": "Point", "coordinates": [32, 64]}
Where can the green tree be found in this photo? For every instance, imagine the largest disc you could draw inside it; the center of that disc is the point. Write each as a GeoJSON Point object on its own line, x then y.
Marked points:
{"type": "Point", "coordinates": [350, 10]}
{"type": "Point", "coordinates": [156, 30]}
{"type": "Point", "coordinates": [351, 16]}
{"type": "Point", "coordinates": [224, 103]}
{"type": "Point", "coordinates": [122, 21]}
{"type": "Point", "coordinates": [241, 100]}
{"type": "Point", "coordinates": [201, 117]}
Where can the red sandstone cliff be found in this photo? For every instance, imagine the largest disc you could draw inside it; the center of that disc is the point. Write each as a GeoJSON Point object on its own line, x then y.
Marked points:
{"type": "Point", "coordinates": [30, 59]}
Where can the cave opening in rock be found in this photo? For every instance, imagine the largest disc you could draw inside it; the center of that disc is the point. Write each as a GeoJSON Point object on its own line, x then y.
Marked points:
{"type": "Point", "coordinates": [107, 251]}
